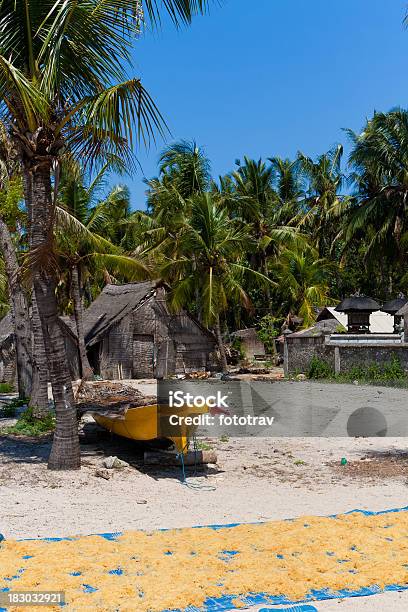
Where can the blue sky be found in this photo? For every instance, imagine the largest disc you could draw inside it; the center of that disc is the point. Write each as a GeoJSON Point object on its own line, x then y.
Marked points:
{"type": "Point", "coordinates": [271, 77]}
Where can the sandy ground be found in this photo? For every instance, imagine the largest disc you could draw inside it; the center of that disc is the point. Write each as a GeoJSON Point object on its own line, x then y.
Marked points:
{"type": "Point", "coordinates": [255, 480]}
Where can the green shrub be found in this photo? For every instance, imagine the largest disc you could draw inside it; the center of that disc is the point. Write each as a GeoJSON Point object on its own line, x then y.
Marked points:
{"type": "Point", "coordinates": [237, 345]}
{"type": "Point", "coordinates": [391, 371]}
{"type": "Point", "coordinates": [394, 370]}
{"type": "Point", "coordinates": [268, 330]}
{"type": "Point", "coordinates": [9, 410]}
{"type": "Point", "coordinates": [28, 425]}
{"type": "Point", "coordinates": [318, 369]}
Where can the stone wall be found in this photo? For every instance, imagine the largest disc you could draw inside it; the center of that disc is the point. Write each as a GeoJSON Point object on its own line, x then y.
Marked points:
{"type": "Point", "coordinates": [298, 352]}
{"type": "Point", "coordinates": [347, 357]}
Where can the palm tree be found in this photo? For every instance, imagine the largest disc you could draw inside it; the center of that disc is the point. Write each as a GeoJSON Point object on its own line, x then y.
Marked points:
{"type": "Point", "coordinates": [184, 173]}
{"type": "Point", "coordinates": [288, 188]}
{"type": "Point", "coordinates": [379, 160]}
{"type": "Point", "coordinates": [304, 281]}
{"type": "Point", "coordinates": [323, 205]}
{"type": "Point", "coordinates": [64, 85]}
{"type": "Point", "coordinates": [186, 167]}
{"type": "Point", "coordinates": [11, 217]}
{"type": "Point", "coordinates": [80, 222]}
{"type": "Point", "coordinates": [253, 185]}
{"type": "Point", "coordinates": [210, 267]}
{"type": "Point", "coordinates": [255, 202]}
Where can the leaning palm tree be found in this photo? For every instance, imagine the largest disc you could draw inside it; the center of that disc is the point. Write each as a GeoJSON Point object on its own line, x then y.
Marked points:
{"type": "Point", "coordinates": [211, 268]}
{"type": "Point", "coordinates": [64, 86]}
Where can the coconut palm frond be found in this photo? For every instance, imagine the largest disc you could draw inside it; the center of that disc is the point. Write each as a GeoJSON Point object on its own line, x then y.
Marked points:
{"type": "Point", "coordinates": [180, 11]}
{"type": "Point", "coordinates": [131, 268]}
{"type": "Point", "coordinates": [76, 232]}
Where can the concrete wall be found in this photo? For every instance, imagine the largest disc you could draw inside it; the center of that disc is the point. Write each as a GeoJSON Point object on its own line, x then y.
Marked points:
{"type": "Point", "coordinates": [298, 352]}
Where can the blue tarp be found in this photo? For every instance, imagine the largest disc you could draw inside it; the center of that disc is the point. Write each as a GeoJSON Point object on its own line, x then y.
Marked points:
{"type": "Point", "coordinates": [222, 604]}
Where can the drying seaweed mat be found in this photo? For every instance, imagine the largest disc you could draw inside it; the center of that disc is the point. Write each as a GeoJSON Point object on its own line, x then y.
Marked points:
{"type": "Point", "coordinates": [219, 567]}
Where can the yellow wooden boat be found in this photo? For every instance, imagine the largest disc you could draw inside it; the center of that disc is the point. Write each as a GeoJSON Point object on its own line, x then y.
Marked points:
{"type": "Point", "coordinates": [142, 424]}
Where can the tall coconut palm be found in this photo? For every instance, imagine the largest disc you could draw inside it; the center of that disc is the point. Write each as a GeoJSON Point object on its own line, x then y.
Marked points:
{"type": "Point", "coordinates": [255, 203]}
{"type": "Point", "coordinates": [64, 85]}
{"type": "Point", "coordinates": [184, 171]}
{"type": "Point", "coordinates": [379, 160]}
{"type": "Point", "coordinates": [186, 166]}
{"type": "Point", "coordinates": [211, 265]}
{"type": "Point", "coordinates": [323, 204]}
{"type": "Point", "coordinates": [288, 188]}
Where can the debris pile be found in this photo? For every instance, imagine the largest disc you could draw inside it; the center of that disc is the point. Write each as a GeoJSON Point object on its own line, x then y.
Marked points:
{"type": "Point", "coordinates": [109, 396]}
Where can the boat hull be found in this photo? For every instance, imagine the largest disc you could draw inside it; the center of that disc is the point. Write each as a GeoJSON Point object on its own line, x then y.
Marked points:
{"type": "Point", "coordinates": [142, 424]}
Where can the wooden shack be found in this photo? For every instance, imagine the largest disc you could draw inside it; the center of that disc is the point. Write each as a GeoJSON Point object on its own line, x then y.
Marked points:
{"type": "Point", "coordinates": [130, 333]}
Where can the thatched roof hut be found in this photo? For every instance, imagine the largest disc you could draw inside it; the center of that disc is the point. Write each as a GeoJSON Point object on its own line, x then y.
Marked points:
{"type": "Point", "coordinates": [130, 333]}
{"type": "Point", "coordinates": [393, 306]}
{"type": "Point", "coordinates": [358, 303]}
{"type": "Point", "coordinates": [358, 309]}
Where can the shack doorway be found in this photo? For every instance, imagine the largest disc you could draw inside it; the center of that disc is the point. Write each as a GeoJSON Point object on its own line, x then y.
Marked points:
{"type": "Point", "coordinates": [143, 356]}
{"type": "Point", "coordinates": [94, 358]}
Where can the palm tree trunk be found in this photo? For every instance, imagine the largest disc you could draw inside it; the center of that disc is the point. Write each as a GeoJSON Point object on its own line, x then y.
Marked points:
{"type": "Point", "coordinates": [86, 370]}
{"type": "Point", "coordinates": [221, 346]}
{"type": "Point", "coordinates": [265, 272]}
{"type": "Point", "coordinates": [65, 451]}
{"type": "Point", "coordinates": [39, 394]}
{"type": "Point", "coordinates": [19, 310]}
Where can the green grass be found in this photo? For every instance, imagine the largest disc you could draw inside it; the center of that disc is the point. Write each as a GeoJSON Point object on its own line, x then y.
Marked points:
{"type": "Point", "coordinates": [204, 446]}
{"type": "Point", "coordinates": [388, 373]}
{"type": "Point", "coordinates": [28, 425]}
{"type": "Point", "coordinates": [224, 438]}
{"type": "Point", "coordinates": [6, 387]}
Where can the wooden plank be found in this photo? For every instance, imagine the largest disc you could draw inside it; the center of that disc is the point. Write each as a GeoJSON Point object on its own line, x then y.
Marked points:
{"type": "Point", "coordinates": [191, 458]}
